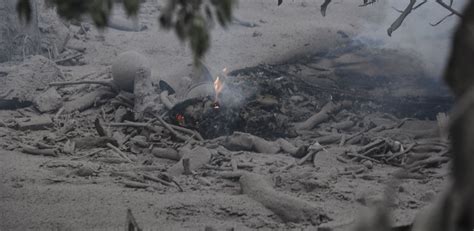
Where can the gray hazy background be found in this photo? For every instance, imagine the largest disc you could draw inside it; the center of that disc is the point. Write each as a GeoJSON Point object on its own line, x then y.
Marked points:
{"type": "Point", "coordinates": [432, 44]}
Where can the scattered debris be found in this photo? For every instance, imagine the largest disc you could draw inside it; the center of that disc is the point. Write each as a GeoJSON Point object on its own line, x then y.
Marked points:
{"type": "Point", "coordinates": [34, 123]}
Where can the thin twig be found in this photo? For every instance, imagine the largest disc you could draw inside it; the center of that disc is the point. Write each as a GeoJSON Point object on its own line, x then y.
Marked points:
{"type": "Point", "coordinates": [119, 152]}
{"type": "Point", "coordinates": [441, 20]}
{"type": "Point", "coordinates": [362, 157]}
{"type": "Point", "coordinates": [68, 58]}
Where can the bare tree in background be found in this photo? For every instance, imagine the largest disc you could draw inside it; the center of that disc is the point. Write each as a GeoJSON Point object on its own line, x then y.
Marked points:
{"type": "Point", "coordinates": [190, 20]}
{"type": "Point", "coordinates": [17, 38]}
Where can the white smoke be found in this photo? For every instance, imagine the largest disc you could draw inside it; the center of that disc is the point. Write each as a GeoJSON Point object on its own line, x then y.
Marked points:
{"type": "Point", "coordinates": [432, 44]}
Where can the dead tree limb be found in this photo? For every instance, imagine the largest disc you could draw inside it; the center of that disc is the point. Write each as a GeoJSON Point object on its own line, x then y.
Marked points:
{"type": "Point", "coordinates": [324, 7]}
{"type": "Point", "coordinates": [455, 209]}
{"type": "Point", "coordinates": [192, 133]}
{"type": "Point", "coordinates": [41, 152]}
{"type": "Point", "coordinates": [288, 208]}
{"type": "Point", "coordinates": [171, 130]}
{"type": "Point", "coordinates": [107, 83]}
{"type": "Point", "coordinates": [398, 22]}
{"type": "Point", "coordinates": [166, 153]}
{"type": "Point", "coordinates": [132, 224]}
{"type": "Point", "coordinates": [325, 113]}
{"type": "Point", "coordinates": [441, 20]}
{"type": "Point", "coordinates": [119, 152]}
{"type": "Point", "coordinates": [448, 7]}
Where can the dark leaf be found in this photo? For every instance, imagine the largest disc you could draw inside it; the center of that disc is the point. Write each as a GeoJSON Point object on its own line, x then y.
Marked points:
{"type": "Point", "coordinates": [23, 9]}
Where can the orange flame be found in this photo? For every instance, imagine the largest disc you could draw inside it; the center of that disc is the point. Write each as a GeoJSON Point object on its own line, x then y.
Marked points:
{"type": "Point", "coordinates": [219, 85]}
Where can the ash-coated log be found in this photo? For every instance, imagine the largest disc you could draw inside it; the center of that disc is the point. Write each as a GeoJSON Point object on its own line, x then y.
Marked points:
{"type": "Point", "coordinates": [288, 208]}
{"type": "Point", "coordinates": [320, 117]}
{"type": "Point", "coordinates": [166, 153]}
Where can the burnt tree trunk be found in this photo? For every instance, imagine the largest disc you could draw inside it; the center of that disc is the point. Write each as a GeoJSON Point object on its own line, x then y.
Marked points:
{"type": "Point", "coordinates": [455, 210]}
{"type": "Point", "coordinates": [460, 77]}
{"type": "Point", "coordinates": [17, 39]}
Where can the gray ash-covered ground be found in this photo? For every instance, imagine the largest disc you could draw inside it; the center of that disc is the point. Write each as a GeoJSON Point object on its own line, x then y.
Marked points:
{"type": "Point", "coordinates": [82, 167]}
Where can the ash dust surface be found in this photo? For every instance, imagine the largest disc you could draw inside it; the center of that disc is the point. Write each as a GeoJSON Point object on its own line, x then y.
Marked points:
{"type": "Point", "coordinates": [292, 42]}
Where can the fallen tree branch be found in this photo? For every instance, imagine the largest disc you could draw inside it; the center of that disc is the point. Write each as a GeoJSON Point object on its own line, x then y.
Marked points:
{"type": "Point", "coordinates": [188, 131]}
{"type": "Point", "coordinates": [107, 83]}
{"type": "Point", "coordinates": [73, 56]}
{"type": "Point", "coordinates": [158, 180]}
{"type": "Point", "coordinates": [41, 152]}
{"type": "Point", "coordinates": [166, 153]}
{"type": "Point", "coordinates": [171, 130]}
{"type": "Point", "coordinates": [119, 152]}
{"type": "Point", "coordinates": [323, 115]}
{"type": "Point", "coordinates": [288, 208]}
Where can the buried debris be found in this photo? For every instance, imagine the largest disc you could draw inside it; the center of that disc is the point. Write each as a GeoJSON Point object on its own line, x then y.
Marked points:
{"type": "Point", "coordinates": [34, 123]}
{"type": "Point", "coordinates": [195, 158]}
{"type": "Point", "coordinates": [21, 84]}
{"type": "Point", "coordinates": [245, 141]}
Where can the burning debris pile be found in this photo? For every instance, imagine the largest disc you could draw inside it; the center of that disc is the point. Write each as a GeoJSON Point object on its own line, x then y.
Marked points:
{"type": "Point", "coordinates": [125, 127]}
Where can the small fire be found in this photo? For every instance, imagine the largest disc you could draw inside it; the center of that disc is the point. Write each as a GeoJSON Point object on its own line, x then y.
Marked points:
{"type": "Point", "coordinates": [218, 86]}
